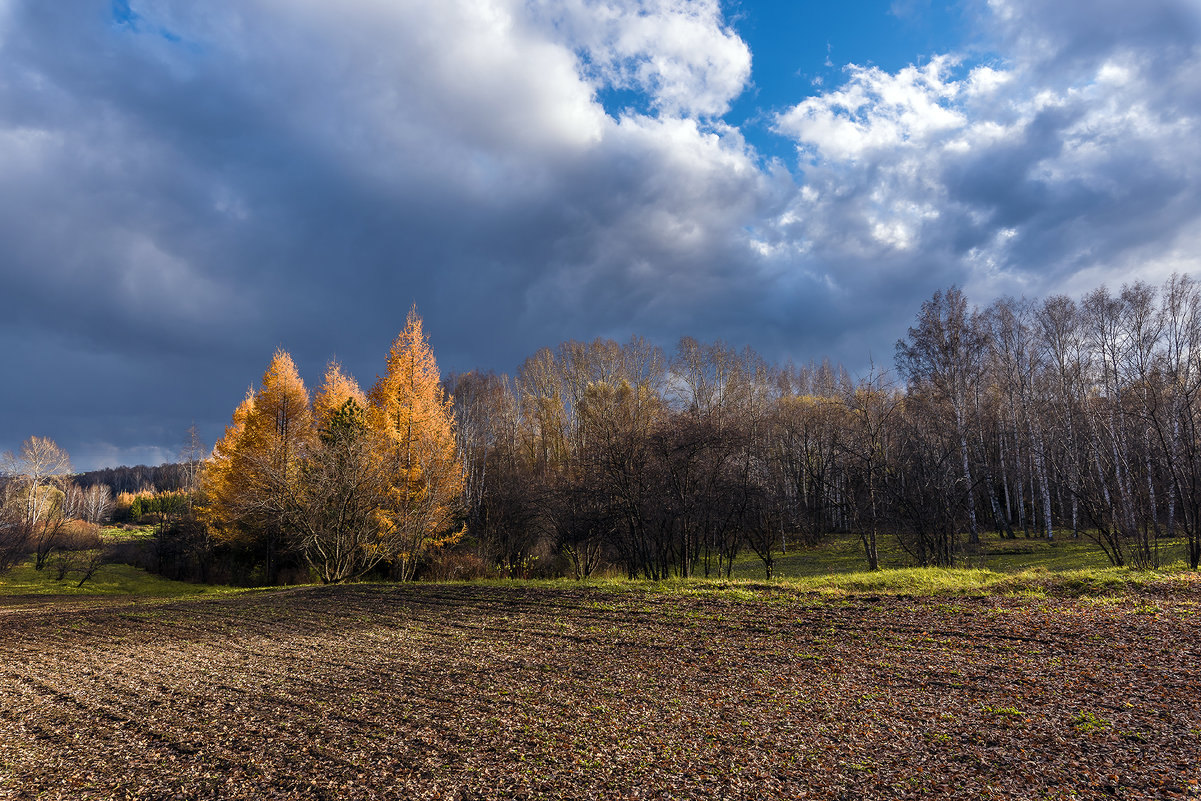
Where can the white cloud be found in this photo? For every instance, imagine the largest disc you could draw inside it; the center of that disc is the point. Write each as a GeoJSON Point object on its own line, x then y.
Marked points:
{"type": "Point", "coordinates": [1009, 175]}
{"type": "Point", "coordinates": [876, 110]}
{"type": "Point", "coordinates": [679, 52]}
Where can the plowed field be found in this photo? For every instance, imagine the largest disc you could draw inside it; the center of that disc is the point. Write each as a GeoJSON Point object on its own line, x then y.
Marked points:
{"type": "Point", "coordinates": [450, 691]}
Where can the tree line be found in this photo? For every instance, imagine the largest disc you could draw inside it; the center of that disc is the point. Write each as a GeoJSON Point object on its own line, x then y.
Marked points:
{"type": "Point", "coordinates": [1051, 417]}
{"type": "Point", "coordinates": [1047, 418]}
{"type": "Point", "coordinates": [138, 478]}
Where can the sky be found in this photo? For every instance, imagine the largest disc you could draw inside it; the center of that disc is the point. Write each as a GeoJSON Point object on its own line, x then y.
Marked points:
{"type": "Point", "coordinates": [185, 187]}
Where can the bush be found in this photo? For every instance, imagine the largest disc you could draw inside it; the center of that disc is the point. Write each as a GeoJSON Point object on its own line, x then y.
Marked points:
{"type": "Point", "coordinates": [458, 566]}
{"type": "Point", "coordinates": [79, 535]}
{"type": "Point", "coordinates": [14, 543]}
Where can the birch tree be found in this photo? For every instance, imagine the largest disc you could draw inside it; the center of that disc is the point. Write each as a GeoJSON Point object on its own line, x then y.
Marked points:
{"type": "Point", "coordinates": [945, 351]}
{"type": "Point", "coordinates": [40, 471]}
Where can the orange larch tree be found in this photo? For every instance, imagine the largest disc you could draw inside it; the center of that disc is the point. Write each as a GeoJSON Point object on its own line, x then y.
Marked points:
{"type": "Point", "coordinates": [253, 480]}
{"type": "Point", "coordinates": [340, 531]}
{"type": "Point", "coordinates": [425, 473]}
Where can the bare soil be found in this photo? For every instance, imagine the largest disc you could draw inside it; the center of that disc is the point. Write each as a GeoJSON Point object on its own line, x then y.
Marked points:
{"type": "Point", "coordinates": [473, 691]}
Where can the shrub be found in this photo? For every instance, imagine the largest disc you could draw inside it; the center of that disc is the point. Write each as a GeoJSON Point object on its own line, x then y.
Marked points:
{"type": "Point", "coordinates": [79, 535]}
{"type": "Point", "coordinates": [458, 566]}
{"type": "Point", "coordinates": [14, 542]}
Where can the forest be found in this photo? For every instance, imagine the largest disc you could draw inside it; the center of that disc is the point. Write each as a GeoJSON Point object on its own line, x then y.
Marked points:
{"type": "Point", "coordinates": [1043, 418]}
{"type": "Point", "coordinates": [1048, 418]}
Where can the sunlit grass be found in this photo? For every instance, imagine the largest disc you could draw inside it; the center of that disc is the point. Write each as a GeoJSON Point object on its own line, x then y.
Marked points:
{"type": "Point", "coordinates": [113, 534]}
{"type": "Point", "coordinates": [108, 580]}
{"type": "Point", "coordinates": [1064, 567]}
{"type": "Point", "coordinates": [912, 581]}
{"type": "Point", "coordinates": [961, 581]}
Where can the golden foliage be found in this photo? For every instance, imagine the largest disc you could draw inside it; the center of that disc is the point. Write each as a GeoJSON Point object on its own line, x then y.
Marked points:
{"type": "Point", "coordinates": [345, 479]}
{"type": "Point", "coordinates": [339, 529]}
{"type": "Point", "coordinates": [254, 472]}
{"type": "Point", "coordinates": [416, 419]}
{"type": "Point", "coordinates": [337, 389]}
{"type": "Point", "coordinates": [218, 479]}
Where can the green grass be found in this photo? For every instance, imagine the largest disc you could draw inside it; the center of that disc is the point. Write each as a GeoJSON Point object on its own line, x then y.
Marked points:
{"type": "Point", "coordinates": [840, 553]}
{"type": "Point", "coordinates": [1063, 567]}
{"type": "Point", "coordinates": [1037, 582]}
{"type": "Point", "coordinates": [108, 580]}
{"type": "Point", "coordinates": [913, 581]}
{"type": "Point", "coordinates": [908, 581]}
{"type": "Point", "coordinates": [112, 534]}
{"type": "Point", "coordinates": [843, 553]}
{"type": "Point", "coordinates": [111, 579]}
{"type": "Point", "coordinates": [1036, 567]}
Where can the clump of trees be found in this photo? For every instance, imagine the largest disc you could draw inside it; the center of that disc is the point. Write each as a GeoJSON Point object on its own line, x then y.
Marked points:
{"type": "Point", "coordinates": [1068, 415]}
{"type": "Point", "coordinates": [45, 514]}
{"type": "Point", "coordinates": [1023, 417]}
{"type": "Point", "coordinates": [346, 480]}
{"type": "Point", "coordinates": [1035, 418]}
{"type": "Point", "coordinates": [603, 453]}
{"type": "Point", "coordinates": [138, 478]}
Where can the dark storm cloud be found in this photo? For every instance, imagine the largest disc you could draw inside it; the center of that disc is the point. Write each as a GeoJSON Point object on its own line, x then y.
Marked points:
{"type": "Point", "coordinates": [185, 188]}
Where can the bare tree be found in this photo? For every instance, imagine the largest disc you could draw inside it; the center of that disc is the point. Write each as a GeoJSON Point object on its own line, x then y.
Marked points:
{"type": "Point", "coordinates": [41, 470]}
{"type": "Point", "coordinates": [39, 464]}
{"type": "Point", "coordinates": [1175, 416]}
{"type": "Point", "coordinates": [14, 533]}
{"type": "Point", "coordinates": [97, 503]}
{"type": "Point", "coordinates": [945, 351]}
{"type": "Point", "coordinates": [191, 458]}
{"type": "Point", "coordinates": [872, 407]}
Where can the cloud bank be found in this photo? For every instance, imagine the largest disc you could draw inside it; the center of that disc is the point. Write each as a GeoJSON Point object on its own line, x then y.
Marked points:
{"type": "Point", "coordinates": [184, 187]}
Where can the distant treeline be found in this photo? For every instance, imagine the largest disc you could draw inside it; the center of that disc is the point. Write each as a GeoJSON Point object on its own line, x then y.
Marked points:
{"type": "Point", "coordinates": [165, 477]}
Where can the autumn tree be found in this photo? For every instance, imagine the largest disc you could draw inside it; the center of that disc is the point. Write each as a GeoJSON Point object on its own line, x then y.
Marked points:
{"type": "Point", "coordinates": [252, 482]}
{"type": "Point", "coordinates": [343, 485]}
{"type": "Point", "coordinates": [415, 419]}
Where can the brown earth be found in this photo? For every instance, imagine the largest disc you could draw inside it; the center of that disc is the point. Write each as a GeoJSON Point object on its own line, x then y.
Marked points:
{"type": "Point", "coordinates": [451, 691]}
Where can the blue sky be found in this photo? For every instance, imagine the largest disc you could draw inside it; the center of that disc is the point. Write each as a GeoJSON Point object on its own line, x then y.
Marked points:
{"type": "Point", "coordinates": [800, 49]}
{"type": "Point", "coordinates": [185, 187]}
